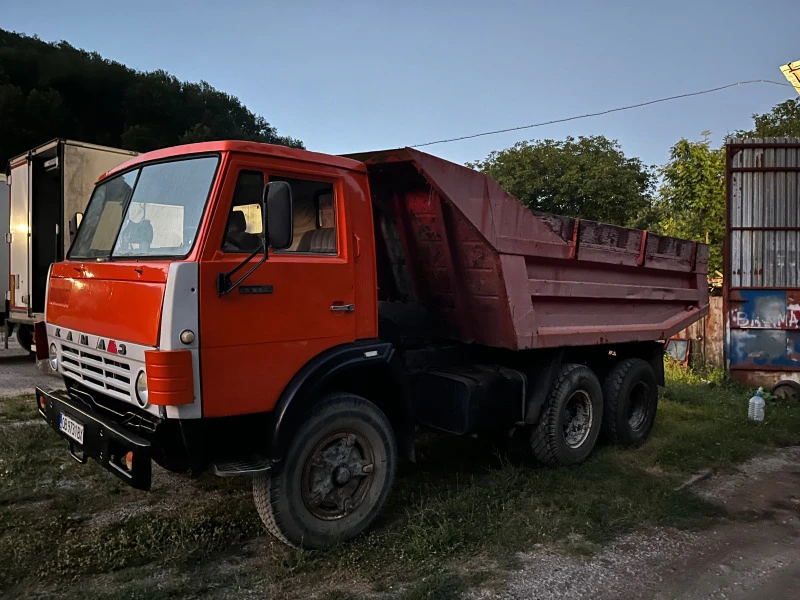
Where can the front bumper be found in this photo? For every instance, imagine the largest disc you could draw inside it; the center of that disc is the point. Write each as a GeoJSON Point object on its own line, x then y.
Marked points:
{"type": "Point", "coordinates": [103, 440]}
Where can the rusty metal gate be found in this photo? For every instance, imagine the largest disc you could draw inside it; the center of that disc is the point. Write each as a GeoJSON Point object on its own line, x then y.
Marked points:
{"type": "Point", "coordinates": [761, 286]}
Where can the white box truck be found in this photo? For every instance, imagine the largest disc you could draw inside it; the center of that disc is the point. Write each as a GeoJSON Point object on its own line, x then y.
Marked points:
{"type": "Point", "coordinates": [49, 187]}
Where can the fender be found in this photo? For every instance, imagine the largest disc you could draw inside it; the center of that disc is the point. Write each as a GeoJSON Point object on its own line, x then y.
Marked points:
{"type": "Point", "coordinates": [301, 390]}
{"type": "Point", "coordinates": [539, 381]}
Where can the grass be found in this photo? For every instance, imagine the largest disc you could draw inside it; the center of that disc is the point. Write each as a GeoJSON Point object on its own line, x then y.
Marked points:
{"type": "Point", "coordinates": [455, 519]}
{"type": "Point", "coordinates": [22, 408]}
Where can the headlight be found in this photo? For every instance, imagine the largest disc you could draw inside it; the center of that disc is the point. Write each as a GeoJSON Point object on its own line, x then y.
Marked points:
{"type": "Point", "coordinates": [53, 357]}
{"type": "Point", "coordinates": [141, 389]}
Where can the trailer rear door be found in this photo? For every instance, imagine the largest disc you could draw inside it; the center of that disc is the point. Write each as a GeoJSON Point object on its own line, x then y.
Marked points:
{"type": "Point", "coordinates": [4, 248]}
{"type": "Point", "coordinates": [19, 210]}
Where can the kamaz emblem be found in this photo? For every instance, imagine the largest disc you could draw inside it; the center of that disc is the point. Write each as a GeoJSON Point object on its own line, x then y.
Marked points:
{"type": "Point", "coordinates": [115, 348]}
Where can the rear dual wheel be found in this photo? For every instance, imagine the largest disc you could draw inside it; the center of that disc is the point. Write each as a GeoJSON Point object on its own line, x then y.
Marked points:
{"type": "Point", "coordinates": [630, 394]}
{"type": "Point", "coordinates": [570, 421]}
{"type": "Point", "coordinates": [578, 409]}
{"type": "Point", "coordinates": [335, 478]}
{"type": "Point", "coordinates": [25, 337]}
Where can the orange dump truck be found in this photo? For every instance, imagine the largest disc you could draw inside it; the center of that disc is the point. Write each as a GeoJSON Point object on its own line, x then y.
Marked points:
{"type": "Point", "coordinates": [243, 308]}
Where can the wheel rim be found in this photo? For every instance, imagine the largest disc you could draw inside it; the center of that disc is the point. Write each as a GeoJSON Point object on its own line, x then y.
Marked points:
{"type": "Point", "coordinates": [637, 406]}
{"type": "Point", "coordinates": [337, 475]}
{"type": "Point", "coordinates": [578, 416]}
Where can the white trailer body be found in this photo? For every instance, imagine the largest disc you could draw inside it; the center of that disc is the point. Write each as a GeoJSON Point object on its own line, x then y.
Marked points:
{"type": "Point", "coordinates": [48, 185]}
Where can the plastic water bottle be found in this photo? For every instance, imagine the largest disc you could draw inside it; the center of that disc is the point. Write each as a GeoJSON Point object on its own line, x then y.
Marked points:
{"type": "Point", "coordinates": [755, 411]}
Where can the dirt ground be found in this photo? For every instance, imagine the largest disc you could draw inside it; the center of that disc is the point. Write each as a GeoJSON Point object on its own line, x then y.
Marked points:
{"type": "Point", "coordinates": [754, 554]}
{"type": "Point", "coordinates": [19, 372]}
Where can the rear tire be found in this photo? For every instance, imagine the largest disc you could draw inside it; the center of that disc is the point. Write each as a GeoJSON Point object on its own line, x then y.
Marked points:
{"type": "Point", "coordinates": [25, 337]}
{"type": "Point", "coordinates": [630, 394]}
{"type": "Point", "coordinates": [787, 390]}
{"type": "Point", "coordinates": [335, 477]}
{"type": "Point", "coordinates": [569, 425]}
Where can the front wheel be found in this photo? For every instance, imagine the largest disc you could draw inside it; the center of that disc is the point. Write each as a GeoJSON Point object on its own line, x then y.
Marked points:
{"type": "Point", "coordinates": [570, 421]}
{"type": "Point", "coordinates": [335, 478]}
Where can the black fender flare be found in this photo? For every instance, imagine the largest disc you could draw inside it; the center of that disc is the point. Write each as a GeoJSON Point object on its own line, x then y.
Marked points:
{"type": "Point", "coordinates": [332, 362]}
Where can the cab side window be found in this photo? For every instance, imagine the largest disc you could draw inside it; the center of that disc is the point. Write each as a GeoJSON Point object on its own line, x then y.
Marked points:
{"type": "Point", "coordinates": [314, 215]}
{"type": "Point", "coordinates": [245, 222]}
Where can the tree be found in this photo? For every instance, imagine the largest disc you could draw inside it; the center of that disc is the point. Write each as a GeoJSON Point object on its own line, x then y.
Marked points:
{"type": "Point", "coordinates": [691, 201]}
{"type": "Point", "coordinates": [56, 90]}
{"type": "Point", "coordinates": [588, 177]}
{"type": "Point", "coordinates": [782, 121]}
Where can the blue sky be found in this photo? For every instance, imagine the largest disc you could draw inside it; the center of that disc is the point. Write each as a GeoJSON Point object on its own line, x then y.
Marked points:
{"type": "Point", "coordinates": [351, 76]}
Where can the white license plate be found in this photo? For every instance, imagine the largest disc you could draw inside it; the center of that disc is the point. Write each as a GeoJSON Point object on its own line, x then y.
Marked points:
{"type": "Point", "coordinates": [71, 427]}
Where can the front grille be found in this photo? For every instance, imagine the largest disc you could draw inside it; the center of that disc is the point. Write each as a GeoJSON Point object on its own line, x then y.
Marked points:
{"type": "Point", "coordinates": [107, 375]}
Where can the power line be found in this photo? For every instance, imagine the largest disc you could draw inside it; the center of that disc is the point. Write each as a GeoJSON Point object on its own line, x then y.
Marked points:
{"type": "Point", "coordinates": [603, 112]}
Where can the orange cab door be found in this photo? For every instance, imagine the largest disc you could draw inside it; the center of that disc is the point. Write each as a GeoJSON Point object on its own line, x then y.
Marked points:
{"type": "Point", "coordinates": [294, 306]}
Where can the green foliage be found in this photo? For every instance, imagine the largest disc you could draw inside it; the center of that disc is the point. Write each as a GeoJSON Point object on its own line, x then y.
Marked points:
{"type": "Point", "coordinates": [587, 177]}
{"type": "Point", "coordinates": [782, 121]}
{"type": "Point", "coordinates": [56, 90]}
{"type": "Point", "coordinates": [691, 201]}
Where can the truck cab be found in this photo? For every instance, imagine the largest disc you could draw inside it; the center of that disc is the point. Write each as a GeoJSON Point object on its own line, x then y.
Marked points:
{"type": "Point", "coordinates": [178, 333]}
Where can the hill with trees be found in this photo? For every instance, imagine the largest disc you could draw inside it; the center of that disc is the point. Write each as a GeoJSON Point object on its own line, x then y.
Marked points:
{"type": "Point", "coordinates": [50, 90]}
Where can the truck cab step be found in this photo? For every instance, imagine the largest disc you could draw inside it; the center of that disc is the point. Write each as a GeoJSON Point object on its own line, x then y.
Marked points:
{"type": "Point", "coordinates": [249, 466]}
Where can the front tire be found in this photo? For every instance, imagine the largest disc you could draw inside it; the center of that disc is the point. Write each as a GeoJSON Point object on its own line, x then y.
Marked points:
{"type": "Point", "coordinates": [570, 421]}
{"type": "Point", "coordinates": [335, 477]}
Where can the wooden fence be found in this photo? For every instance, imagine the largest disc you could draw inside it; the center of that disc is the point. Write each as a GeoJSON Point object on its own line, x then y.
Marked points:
{"type": "Point", "coordinates": [706, 336]}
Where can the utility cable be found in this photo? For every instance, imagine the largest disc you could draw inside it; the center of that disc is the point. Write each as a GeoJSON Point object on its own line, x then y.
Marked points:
{"type": "Point", "coordinates": [603, 112]}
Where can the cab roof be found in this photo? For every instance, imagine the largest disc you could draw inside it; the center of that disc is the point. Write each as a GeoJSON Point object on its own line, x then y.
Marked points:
{"type": "Point", "coordinates": [244, 148]}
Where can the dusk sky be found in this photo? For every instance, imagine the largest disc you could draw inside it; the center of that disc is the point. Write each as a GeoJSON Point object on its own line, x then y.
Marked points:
{"type": "Point", "coordinates": [352, 76]}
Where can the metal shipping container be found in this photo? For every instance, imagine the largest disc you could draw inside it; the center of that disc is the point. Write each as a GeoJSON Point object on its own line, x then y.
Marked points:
{"type": "Point", "coordinates": [762, 262]}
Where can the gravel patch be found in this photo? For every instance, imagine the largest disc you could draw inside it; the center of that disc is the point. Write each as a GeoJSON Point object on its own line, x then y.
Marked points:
{"type": "Point", "coordinates": [721, 489]}
{"type": "Point", "coordinates": [548, 575]}
{"type": "Point", "coordinates": [737, 560]}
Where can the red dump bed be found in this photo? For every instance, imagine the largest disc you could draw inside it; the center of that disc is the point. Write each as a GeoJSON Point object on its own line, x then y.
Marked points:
{"type": "Point", "coordinates": [491, 271]}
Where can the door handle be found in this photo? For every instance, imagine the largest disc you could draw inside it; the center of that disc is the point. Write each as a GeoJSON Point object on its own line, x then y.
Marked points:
{"type": "Point", "coordinates": [343, 307]}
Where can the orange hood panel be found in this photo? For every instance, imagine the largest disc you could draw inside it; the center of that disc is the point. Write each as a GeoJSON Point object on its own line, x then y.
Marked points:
{"type": "Point", "coordinates": [118, 301]}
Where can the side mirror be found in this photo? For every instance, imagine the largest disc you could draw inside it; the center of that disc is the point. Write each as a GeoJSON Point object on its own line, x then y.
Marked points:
{"type": "Point", "coordinates": [74, 224]}
{"type": "Point", "coordinates": [277, 209]}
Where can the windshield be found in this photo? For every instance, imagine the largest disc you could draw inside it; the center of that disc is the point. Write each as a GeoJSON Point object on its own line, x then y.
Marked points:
{"type": "Point", "coordinates": [150, 211]}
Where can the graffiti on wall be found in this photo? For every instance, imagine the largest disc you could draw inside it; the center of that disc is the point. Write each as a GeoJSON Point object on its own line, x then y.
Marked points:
{"type": "Point", "coordinates": [765, 329]}
{"type": "Point", "coordinates": [767, 309]}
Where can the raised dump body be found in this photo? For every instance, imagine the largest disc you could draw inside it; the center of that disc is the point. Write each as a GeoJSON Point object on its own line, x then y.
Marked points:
{"type": "Point", "coordinates": [490, 271]}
